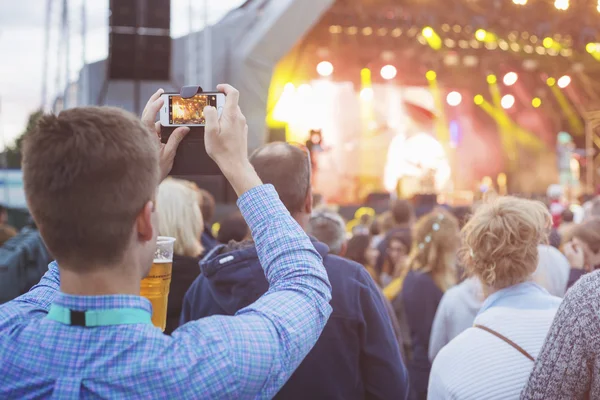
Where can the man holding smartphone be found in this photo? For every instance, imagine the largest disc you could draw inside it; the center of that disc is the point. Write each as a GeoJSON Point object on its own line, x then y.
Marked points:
{"type": "Point", "coordinates": [90, 179]}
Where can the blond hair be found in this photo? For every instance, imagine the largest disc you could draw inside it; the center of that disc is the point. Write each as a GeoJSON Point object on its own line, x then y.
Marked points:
{"type": "Point", "coordinates": [179, 216]}
{"type": "Point", "coordinates": [501, 238]}
{"type": "Point", "coordinates": [435, 241]}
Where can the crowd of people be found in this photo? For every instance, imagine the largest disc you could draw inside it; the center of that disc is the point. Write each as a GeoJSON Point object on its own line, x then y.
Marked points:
{"type": "Point", "coordinates": [422, 301]}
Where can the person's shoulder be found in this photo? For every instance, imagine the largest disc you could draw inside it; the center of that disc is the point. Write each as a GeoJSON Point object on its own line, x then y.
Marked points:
{"type": "Point", "coordinates": [417, 278]}
{"type": "Point", "coordinates": [586, 291]}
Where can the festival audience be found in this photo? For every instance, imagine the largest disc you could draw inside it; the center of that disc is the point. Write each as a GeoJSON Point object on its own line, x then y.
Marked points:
{"type": "Point", "coordinates": [402, 216]}
{"type": "Point", "coordinates": [431, 272]}
{"type": "Point", "coordinates": [90, 177]}
{"type": "Point", "coordinates": [179, 217]}
{"type": "Point", "coordinates": [360, 250]}
{"type": "Point", "coordinates": [567, 367]}
{"type": "Point", "coordinates": [493, 359]}
{"type": "Point", "coordinates": [553, 270]}
{"type": "Point", "coordinates": [566, 226]}
{"type": "Point", "coordinates": [329, 227]}
{"type": "Point", "coordinates": [207, 207]}
{"type": "Point", "coordinates": [24, 259]}
{"type": "Point", "coordinates": [455, 314]}
{"type": "Point", "coordinates": [583, 251]}
{"type": "Point", "coordinates": [233, 227]}
{"type": "Point", "coordinates": [357, 355]}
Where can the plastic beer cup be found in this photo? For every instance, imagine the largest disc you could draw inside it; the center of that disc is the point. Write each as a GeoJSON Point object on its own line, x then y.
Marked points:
{"type": "Point", "coordinates": [155, 286]}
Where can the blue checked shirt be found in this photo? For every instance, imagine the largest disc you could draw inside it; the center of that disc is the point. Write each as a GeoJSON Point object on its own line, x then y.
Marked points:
{"type": "Point", "coordinates": [249, 355]}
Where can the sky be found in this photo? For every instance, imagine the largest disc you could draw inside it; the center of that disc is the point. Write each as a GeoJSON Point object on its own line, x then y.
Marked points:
{"type": "Point", "coordinates": [22, 43]}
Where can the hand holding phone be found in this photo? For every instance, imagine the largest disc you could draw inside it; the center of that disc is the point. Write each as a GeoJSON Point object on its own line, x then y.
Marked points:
{"type": "Point", "coordinates": [180, 111]}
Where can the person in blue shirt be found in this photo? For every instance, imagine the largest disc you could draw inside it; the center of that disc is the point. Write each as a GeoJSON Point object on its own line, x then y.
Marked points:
{"type": "Point", "coordinates": [357, 355]}
{"type": "Point", "coordinates": [91, 176]}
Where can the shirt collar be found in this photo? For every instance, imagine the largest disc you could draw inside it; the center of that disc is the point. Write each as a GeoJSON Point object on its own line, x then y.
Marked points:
{"type": "Point", "coordinates": [512, 296]}
{"type": "Point", "coordinates": [88, 303]}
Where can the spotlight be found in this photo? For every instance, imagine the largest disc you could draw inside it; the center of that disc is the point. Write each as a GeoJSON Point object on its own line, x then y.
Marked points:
{"type": "Point", "coordinates": [564, 81]}
{"type": "Point", "coordinates": [548, 42]}
{"type": "Point", "coordinates": [520, 2]}
{"type": "Point", "coordinates": [510, 78]}
{"type": "Point", "coordinates": [427, 32]}
{"type": "Point", "coordinates": [478, 99]}
{"type": "Point", "coordinates": [325, 68]}
{"type": "Point", "coordinates": [388, 72]}
{"type": "Point", "coordinates": [491, 79]}
{"type": "Point", "coordinates": [431, 75]}
{"type": "Point", "coordinates": [454, 99]}
{"type": "Point", "coordinates": [551, 81]}
{"type": "Point", "coordinates": [480, 34]}
{"type": "Point", "coordinates": [536, 102]}
{"type": "Point", "coordinates": [507, 101]}
{"type": "Point", "coordinates": [562, 5]}
{"type": "Point", "coordinates": [366, 94]}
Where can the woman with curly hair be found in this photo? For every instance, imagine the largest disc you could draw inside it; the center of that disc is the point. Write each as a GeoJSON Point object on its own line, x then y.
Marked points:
{"type": "Point", "coordinates": [493, 359]}
{"type": "Point", "coordinates": [431, 271]}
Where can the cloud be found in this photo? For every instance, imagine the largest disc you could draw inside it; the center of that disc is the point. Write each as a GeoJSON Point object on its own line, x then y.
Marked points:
{"type": "Point", "coordinates": [22, 47]}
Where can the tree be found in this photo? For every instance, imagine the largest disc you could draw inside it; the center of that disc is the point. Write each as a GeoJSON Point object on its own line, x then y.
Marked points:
{"type": "Point", "coordinates": [12, 154]}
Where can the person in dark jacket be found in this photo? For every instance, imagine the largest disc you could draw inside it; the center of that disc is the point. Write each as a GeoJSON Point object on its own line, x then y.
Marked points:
{"type": "Point", "coordinates": [180, 218]}
{"type": "Point", "coordinates": [207, 207]}
{"type": "Point", "coordinates": [432, 271]}
{"type": "Point", "coordinates": [24, 260]}
{"type": "Point", "coordinates": [403, 216]}
{"type": "Point", "coordinates": [357, 355]}
{"type": "Point", "coordinates": [233, 227]}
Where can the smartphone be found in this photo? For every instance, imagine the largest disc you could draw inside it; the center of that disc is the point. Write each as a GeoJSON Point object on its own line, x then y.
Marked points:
{"type": "Point", "coordinates": [178, 111]}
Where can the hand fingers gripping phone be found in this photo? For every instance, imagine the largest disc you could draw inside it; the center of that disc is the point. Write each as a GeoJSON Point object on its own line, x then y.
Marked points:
{"type": "Point", "coordinates": [180, 111]}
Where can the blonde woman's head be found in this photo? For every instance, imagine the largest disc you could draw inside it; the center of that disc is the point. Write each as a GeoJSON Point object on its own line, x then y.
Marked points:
{"type": "Point", "coordinates": [179, 216]}
{"type": "Point", "coordinates": [501, 238]}
{"type": "Point", "coordinates": [434, 246]}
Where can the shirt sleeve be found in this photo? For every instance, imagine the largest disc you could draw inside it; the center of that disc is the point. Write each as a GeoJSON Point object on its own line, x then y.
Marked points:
{"type": "Point", "coordinates": [38, 299]}
{"type": "Point", "coordinates": [267, 340]}
{"type": "Point", "coordinates": [565, 365]}
{"type": "Point", "coordinates": [383, 370]}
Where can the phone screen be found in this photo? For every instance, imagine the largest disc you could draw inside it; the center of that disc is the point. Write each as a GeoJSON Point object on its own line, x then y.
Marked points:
{"type": "Point", "coordinates": [189, 111]}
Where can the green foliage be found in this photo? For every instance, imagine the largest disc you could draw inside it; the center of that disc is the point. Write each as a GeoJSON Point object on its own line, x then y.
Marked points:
{"type": "Point", "coordinates": [13, 153]}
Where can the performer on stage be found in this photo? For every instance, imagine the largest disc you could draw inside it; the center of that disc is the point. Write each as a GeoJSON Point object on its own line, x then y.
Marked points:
{"type": "Point", "coordinates": [417, 162]}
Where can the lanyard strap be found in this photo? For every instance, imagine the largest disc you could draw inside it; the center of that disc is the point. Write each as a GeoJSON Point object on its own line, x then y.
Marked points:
{"type": "Point", "coordinates": [113, 316]}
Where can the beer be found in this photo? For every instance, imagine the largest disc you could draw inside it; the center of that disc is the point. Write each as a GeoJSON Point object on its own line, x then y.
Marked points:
{"type": "Point", "coordinates": [155, 286]}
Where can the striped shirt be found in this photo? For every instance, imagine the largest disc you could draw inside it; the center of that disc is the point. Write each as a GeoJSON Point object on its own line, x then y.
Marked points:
{"type": "Point", "coordinates": [249, 355]}
{"type": "Point", "coordinates": [479, 365]}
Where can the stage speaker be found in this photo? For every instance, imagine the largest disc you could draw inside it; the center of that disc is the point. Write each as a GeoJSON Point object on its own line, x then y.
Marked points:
{"type": "Point", "coordinates": [139, 57]}
{"type": "Point", "coordinates": [155, 14]}
{"type": "Point", "coordinates": [132, 54]}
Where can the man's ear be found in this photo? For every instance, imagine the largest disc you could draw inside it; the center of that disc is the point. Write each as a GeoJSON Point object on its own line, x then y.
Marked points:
{"type": "Point", "coordinates": [145, 230]}
{"type": "Point", "coordinates": [308, 202]}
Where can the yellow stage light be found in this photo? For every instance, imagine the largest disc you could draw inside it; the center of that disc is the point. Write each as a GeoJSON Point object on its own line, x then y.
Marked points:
{"type": "Point", "coordinates": [591, 47]}
{"type": "Point", "coordinates": [480, 34]}
{"type": "Point", "coordinates": [548, 42]}
{"type": "Point", "coordinates": [491, 79]}
{"type": "Point", "coordinates": [551, 81]}
{"type": "Point", "coordinates": [536, 102]}
{"type": "Point", "coordinates": [431, 75]}
{"type": "Point", "coordinates": [428, 32]}
{"type": "Point", "coordinates": [478, 99]}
